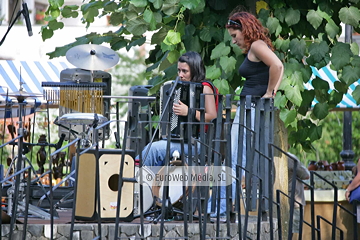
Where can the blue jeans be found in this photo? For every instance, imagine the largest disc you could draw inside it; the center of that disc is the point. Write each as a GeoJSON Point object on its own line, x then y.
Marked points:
{"type": "Point", "coordinates": [157, 152]}
{"type": "Point", "coordinates": [234, 161]}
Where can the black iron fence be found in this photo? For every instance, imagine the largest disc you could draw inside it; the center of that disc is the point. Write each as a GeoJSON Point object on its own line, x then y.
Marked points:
{"type": "Point", "coordinates": [240, 149]}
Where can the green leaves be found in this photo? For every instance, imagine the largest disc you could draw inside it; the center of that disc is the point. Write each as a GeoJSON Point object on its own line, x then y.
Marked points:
{"type": "Point", "coordinates": [56, 3]}
{"type": "Point", "coordinates": [159, 36]}
{"type": "Point", "coordinates": [156, 3]}
{"type": "Point", "coordinates": [220, 50]}
{"type": "Point", "coordinates": [356, 94]}
{"type": "Point", "coordinates": [274, 26]}
{"type": "Point", "coordinates": [318, 51]}
{"type": "Point", "coordinates": [288, 116]}
{"type": "Point", "coordinates": [292, 16]}
{"type": "Point", "coordinates": [139, 3]}
{"type": "Point", "coordinates": [282, 44]}
{"type": "Point", "coordinates": [227, 63]}
{"type": "Point", "coordinates": [54, 25]}
{"type": "Point", "coordinates": [293, 94]}
{"type": "Point", "coordinates": [172, 38]}
{"type": "Point", "coordinates": [318, 83]}
{"type": "Point", "coordinates": [222, 85]}
{"type": "Point", "coordinates": [350, 74]}
{"type": "Point", "coordinates": [314, 18]}
{"type": "Point", "coordinates": [213, 72]}
{"type": "Point", "coordinates": [170, 7]}
{"type": "Point", "coordinates": [350, 15]}
{"type": "Point", "coordinates": [150, 18]}
{"type": "Point", "coordinates": [190, 4]}
{"type": "Point", "coordinates": [46, 33]}
{"type": "Point", "coordinates": [297, 48]}
{"type": "Point", "coordinates": [332, 29]}
{"type": "Point", "coordinates": [321, 110]}
{"type": "Point", "coordinates": [340, 55]}
{"type": "Point", "coordinates": [68, 11]}
{"type": "Point", "coordinates": [90, 11]}
{"type": "Point", "coordinates": [137, 26]}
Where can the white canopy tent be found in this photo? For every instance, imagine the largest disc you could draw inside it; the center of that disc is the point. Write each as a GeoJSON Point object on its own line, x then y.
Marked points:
{"type": "Point", "coordinates": [330, 76]}
{"type": "Point", "coordinates": [32, 74]}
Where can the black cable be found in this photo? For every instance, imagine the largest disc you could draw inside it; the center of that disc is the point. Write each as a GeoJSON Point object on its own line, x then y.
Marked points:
{"type": "Point", "coordinates": [14, 10]}
{"type": "Point", "coordinates": [12, 22]}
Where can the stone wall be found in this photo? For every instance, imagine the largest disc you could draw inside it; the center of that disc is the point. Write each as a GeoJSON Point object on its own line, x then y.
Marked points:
{"type": "Point", "coordinates": [129, 231]}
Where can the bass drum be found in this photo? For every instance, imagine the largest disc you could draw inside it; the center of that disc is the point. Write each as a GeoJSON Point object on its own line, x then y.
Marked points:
{"type": "Point", "coordinates": [175, 190]}
{"type": "Point", "coordinates": [148, 200]}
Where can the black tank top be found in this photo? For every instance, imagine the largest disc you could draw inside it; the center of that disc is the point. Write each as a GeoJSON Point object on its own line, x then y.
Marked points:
{"type": "Point", "coordinates": [257, 77]}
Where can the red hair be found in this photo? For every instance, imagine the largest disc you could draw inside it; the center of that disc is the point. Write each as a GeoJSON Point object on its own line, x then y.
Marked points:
{"type": "Point", "coordinates": [251, 28]}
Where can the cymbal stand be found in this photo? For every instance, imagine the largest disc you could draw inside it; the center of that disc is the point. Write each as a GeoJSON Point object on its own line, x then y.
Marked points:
{"type": "Point", "coordinates": [16, 192]}
{"type": "Point", "coordinates": [84, 143]}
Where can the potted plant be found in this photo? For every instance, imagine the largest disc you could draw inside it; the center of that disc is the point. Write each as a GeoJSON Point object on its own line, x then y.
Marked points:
{"type": "Point", "coordinates": [39, 17]}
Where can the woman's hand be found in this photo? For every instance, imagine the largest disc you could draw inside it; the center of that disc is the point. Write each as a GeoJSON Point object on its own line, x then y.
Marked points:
{"type": "Point", "coordinates": [180, 109]}
{"type": "Point", "coordinates": [347, 195]}
{"type": "Point", "coordinates": [266, 95]}
{"type": "Point", "coordinates": [269, 95]}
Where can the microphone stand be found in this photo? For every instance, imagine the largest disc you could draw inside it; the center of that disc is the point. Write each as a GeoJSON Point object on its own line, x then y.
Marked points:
{"type": "Point", "coordinates": [166, 210]}
{"type": "Point", "coordinates": [11, 25]}
{"type": "Point", "coordinates": [162, 115]}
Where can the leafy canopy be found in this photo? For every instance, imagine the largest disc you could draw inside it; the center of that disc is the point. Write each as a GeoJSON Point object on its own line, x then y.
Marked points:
{"type": "Point", "coordinates": [304, 33]}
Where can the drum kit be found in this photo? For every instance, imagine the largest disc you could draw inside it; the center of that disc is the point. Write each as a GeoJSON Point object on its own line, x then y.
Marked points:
{"type": "Point", "coordinates": [95, 57]}
{"type": "Point", "coordinates": [87, 56]}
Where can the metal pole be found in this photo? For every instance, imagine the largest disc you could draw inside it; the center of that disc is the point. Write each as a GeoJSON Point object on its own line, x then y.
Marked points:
{"type": "Point", "coordinates": [347, 153]}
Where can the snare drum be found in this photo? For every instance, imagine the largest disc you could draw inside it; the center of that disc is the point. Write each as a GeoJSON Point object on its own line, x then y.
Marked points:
{"type": "Point", "coordinates": [175, 190]}
{"type": "Point", "coordinates": [148, 199]}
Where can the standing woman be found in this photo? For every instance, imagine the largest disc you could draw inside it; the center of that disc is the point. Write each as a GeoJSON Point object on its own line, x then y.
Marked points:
{"type": "Point", "coordinates": [261, 68]}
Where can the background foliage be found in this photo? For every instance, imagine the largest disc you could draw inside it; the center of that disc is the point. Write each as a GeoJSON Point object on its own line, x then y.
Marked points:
{"type": "Point", "coordinates": [331, 143]}
{"type": "Point", "coordinates": [305, 33]}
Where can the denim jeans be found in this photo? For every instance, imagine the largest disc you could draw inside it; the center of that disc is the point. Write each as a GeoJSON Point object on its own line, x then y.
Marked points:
{"type": "Point", "coordinates": [234, 160]}
{"type": "Point", "coordinates": [157, 152]}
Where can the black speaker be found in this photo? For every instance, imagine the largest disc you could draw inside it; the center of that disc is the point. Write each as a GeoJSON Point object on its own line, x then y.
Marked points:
{"type": "Point", "coordinates": [138, 111]}
{"type": "Point", "coordinates": [109, 168]}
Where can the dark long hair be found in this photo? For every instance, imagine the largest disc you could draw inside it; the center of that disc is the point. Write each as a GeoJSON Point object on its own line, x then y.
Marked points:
{"type": "Point", "coordinates": [197, 69]}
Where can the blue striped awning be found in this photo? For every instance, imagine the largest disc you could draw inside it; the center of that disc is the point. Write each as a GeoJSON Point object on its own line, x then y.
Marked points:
{"type": "Point", "coordinates": [330, 76]}
{"type": "Point", "coordinates": [32, 73]}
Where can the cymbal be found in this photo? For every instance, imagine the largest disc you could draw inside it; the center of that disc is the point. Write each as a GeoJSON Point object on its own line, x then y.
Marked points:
{"type": "Point", "coordinates": [92, 57]}
{"type": "Point", "coordinates": [20, 95]}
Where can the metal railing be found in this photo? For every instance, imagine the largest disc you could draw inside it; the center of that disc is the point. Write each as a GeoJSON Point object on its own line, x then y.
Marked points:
{"type": "Point", "coordinates": [255, 199]}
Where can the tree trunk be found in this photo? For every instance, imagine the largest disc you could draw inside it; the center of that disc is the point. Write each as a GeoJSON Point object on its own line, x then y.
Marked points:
{"type": "Point", "coordinates": [281, 170]}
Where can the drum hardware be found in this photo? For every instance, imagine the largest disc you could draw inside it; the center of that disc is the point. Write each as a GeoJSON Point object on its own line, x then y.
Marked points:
{"type": "Point", "coordinates": [175, 195]}
{"type": "Point", "coordinates": [16, 192]}
{"type": "Point", "coordinates": [87, 121]}
{"type": "Point", "coordinates": [34, 210]}
{"type": "Point", "coordinates": [173, 207]}
{"type": "Point", "coordinates": [147, 190]}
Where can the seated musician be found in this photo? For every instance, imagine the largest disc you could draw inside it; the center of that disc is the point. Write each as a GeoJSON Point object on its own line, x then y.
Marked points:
{"type": "Point", "coordinates": [190, 68]}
